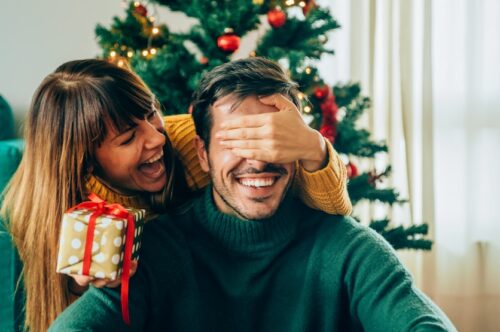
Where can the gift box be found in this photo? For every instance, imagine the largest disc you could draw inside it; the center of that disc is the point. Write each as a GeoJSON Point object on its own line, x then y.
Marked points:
{"type": "Point", "coordinates": [105, 255]}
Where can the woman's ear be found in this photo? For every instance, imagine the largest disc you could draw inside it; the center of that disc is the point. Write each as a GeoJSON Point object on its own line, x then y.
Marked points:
{"type": "Point", "coordinates": [202, 153]}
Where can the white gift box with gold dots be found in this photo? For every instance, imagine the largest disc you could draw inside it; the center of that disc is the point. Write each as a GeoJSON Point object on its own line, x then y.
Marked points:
{"type": "Point", "coordinates": [108, 244]}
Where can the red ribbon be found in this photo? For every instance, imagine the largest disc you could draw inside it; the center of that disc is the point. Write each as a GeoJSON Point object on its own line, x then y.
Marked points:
{"type": "Point", "coordinates": [100, 207]}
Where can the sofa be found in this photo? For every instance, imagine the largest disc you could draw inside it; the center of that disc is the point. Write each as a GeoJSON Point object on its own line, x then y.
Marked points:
{"type": "Point", "coordinates": [11, 290]}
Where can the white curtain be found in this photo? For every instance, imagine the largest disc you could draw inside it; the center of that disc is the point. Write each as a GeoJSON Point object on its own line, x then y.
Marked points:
{"type": "Point", "coordinates": [432, 69]}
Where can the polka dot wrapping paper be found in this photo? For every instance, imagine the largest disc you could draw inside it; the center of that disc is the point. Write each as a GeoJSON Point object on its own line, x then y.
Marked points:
{"type": "Point", "coordinates": [107, 247]}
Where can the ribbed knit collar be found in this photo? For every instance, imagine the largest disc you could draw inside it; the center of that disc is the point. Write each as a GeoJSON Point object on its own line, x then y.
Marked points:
{"type": "Point", "coordinates": [248, 237]}
{"type": "Point", "coordinates": [96, 186]}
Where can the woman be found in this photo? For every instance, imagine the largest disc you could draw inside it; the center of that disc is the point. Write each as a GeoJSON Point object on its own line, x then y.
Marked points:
{"type": "Point", "coordinates": [95, 127]}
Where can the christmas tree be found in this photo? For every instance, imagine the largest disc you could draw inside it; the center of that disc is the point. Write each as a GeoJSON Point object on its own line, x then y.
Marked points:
{"type": "Point", "coordinates": [173, 63]}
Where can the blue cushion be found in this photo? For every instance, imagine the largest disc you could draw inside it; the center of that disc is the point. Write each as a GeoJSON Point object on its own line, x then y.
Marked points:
{"type": "Point", "coordinates": [7, 129]}
{"type": "Point", "coordinates": [12, 301]}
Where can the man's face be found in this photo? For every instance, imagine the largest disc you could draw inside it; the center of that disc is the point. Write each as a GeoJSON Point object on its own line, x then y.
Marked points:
{"type": "Point", "coordinates": [249, 189]}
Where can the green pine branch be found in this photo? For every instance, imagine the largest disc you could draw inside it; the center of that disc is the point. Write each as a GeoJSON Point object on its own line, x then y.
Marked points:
{"type": "Point", "coordinates": [172, 84]}
{"type": "Point", "coordinates": [363, 186]}
{"type": "Point", "coordinates": [131, 33]}
{"type": "Point", "coordinates": [298, 40]}
{"type": "Point", "coordinates": [400, 237]}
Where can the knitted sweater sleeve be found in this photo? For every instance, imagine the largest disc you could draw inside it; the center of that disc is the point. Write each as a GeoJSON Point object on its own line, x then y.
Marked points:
{"type": "Point", "coordinates": [100, 310]}
{"type": "Point", "coordinates": [381, 292]}
{"type": "Point", "coordinates": [325, 189]}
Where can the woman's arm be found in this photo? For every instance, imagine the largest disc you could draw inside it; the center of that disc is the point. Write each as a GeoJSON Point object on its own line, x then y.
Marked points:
{"type": "Point", "coordinates": [320, 180]}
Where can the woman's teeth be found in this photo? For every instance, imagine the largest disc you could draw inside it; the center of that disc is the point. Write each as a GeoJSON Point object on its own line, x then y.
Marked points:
{"type": "Point", "coordinates": [156, 157]}
{"type": "Point", "coordinates": [260, 182]}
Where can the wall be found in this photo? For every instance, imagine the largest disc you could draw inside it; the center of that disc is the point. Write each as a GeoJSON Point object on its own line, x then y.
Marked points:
{"type": "Point", "coordinates": [38, 36]}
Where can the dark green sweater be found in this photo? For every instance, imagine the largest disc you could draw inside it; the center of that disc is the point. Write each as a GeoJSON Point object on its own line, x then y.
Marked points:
{"type": "Point", "coordinates": [301, 270]}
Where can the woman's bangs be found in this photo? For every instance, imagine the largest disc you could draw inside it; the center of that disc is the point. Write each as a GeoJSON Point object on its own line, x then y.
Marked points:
{"type": "Point", "coordinates": [127, 106]}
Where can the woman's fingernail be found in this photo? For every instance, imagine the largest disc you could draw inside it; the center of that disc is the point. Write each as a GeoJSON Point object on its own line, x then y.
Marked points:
{"type": "Point", "coordinates": [218, 134]}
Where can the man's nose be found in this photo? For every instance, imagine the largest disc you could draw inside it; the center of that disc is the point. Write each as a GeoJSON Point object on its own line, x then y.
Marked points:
{"type": "Point", "coordinates": [257, 164]}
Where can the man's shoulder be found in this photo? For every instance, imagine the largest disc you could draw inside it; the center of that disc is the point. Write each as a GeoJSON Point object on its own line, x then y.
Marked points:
{"type": "Point", "coordinates": [337, 229]}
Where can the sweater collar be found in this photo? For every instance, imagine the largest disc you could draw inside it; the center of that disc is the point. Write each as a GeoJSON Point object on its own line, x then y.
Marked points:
{"type": "Point", "coordinates": [95, 185]}
{"type": "Point", "coordinates": [248, 236]}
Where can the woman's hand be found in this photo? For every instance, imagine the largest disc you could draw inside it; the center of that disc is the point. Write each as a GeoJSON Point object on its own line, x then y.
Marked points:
{"type": "Point", "coordinates": [79, 284]}
{"type": "Point", "coordinates": [275, 137]}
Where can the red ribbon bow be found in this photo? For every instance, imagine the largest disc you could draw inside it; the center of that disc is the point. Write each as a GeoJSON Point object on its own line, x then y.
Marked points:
{"type": "Point", "coordinates": [100, 207]}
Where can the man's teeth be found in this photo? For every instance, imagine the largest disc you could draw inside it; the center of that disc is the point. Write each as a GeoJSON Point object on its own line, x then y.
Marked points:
{"type": "Point", "coordinates": [257, 182]}
{"type": "Point", "coordinates": [154, 158]}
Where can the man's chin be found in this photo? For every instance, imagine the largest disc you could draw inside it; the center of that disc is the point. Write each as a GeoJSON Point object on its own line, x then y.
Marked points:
{"type": "Point", "coordinates": [257, 211]}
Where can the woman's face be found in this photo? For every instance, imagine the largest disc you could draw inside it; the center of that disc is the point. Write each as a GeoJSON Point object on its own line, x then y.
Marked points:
{"type": "Point", "coordinates": [132, 159]}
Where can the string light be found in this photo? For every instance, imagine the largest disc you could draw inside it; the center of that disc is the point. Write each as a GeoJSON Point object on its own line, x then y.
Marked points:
{"type": "Point", "coordinates": [308, 70]}
{"type": "Point", "coordinates": [300, 95]}
{"type": "Point", "coordinates": [152, 51]}
{"type": "Point", "coordinates": [307, 109]}
{"type": "Point", "coordinates": [137, 4]}
{"type": "Point", "coordinates": [145, 53]}
{"type": "Point", "coordinates": [130, 54]}
{"type": "Point", "coordinates": [289, 2]}
{"type": "Point", "coordinates": [120, 63]}
{"type": "Point", "coordinates": [302, 4]}
{"type": "Point", "coordinates": [112, 54]}
{"type": "Point", "coordinates": [155, 31]}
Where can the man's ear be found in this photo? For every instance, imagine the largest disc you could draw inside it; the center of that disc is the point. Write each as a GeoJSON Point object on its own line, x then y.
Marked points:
{"type": "Point", "coordinates": [199, 145]}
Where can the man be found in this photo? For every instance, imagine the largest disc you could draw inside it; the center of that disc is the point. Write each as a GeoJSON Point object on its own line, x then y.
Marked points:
{"type": "Point", "coordinates": [246, 255]}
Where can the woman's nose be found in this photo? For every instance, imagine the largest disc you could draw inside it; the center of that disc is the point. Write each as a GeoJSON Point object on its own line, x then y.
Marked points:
{"type": "Point", "coordinates": [154, 137]}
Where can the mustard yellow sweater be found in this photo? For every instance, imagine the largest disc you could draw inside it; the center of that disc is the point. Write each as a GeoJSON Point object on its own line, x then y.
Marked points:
{"type": "Point", "coordinates": [324, 189]}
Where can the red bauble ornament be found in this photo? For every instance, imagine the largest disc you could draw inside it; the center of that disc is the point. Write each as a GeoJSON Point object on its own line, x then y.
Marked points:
{"type": "Point", "coordinates": [321, 92]}
{"type": "Point", "coordinates": [328, 131]}
{"type": "Point", "coordinates": [229, 41]}
{"type": "Point", "coordinates": [276, 17]}
{"type": "Point", "coordinates": [352, 170]}
{"type": "Point", "coordinates": [140, 9]}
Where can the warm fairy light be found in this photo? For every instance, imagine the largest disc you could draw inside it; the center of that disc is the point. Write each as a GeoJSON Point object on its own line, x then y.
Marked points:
{"type": "Point", "coordinates": [300, 95]}
{"type": "Point", "coordinates": [308, 70]}
{"type": "Point", "coordinates": [152, 51]}
{"type": "Point", "coordinates": [289, 2]}
{"type": "Point", "coordinates": [112, 54]}
{"type": "Point", "coordinates": [137, 4]}
{"type": "Point", "coordinates": [307, 109]}
{"type": "Point", "coordinates": [145, 52]}
{"type": "Point", "coordinates": [155, 31]}
{"type": "Point", "coordinates": [302, 4]}
{"type": "Point", "coordinates": [252, 54]}
{"type": "Point", "coordinates": [120, 63]}
{"type": "Point", "coordinates": [152, 19]}
{"type": "Point", "coordinates": [130, 54]}
{"type": "Point", "coordinates": [123, 48]}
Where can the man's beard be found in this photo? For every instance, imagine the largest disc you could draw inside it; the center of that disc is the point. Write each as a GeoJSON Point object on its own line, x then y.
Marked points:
{"type": "Point", "coordinates": [225, 194]}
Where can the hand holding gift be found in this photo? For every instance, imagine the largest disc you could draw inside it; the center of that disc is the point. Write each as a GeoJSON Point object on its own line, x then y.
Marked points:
{"type": "Point", "coordinates": [99, 240]}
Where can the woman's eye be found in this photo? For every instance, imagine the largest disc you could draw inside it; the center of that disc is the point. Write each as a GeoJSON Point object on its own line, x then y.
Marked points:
{"type": "Point", "coordinates": [129, 140]}
{"type": "Point", "coordinates": [152, 115]}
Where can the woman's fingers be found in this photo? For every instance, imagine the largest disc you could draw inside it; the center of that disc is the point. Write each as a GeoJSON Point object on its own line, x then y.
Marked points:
{"type": "Point", "coordinates": [244, 133]}
{"type": "Point", "coordinates": [82, 281]}
{"type": "Point", "coordinates": [246, 121]}
{"type": "Point", "coordinates": [99, 283]}
{"type": "Point", "coordinates": [279, 101]}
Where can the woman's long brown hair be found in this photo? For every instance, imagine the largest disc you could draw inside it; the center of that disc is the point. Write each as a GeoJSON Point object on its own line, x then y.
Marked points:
{"type": "Point", "coordinates": [65, 124]}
